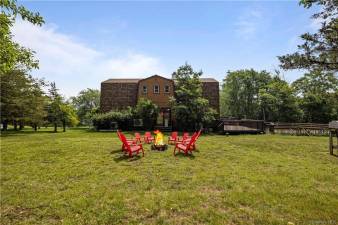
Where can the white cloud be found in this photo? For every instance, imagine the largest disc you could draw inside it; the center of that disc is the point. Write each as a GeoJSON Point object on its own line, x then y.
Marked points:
{"type": "Point", "coordinates": [73, 65]}
{"type": "Point", "coordinates": [248, 23]}
{"type": "Point", "coordinates": [316, 24]}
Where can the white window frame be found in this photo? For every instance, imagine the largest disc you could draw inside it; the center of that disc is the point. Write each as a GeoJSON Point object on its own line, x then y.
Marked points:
{"type": "Point", "coordinates": [158, 89]}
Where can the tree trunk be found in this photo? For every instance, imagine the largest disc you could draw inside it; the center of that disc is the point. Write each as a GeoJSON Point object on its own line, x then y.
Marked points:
{"type": "Point", "coordinates": [263, 114]}
{"type": "Point", "coordinates": [4, 125]}
{"type": "Point", "coordinates": [35, 127]}
{"type": "Point", "coordinates": [55, 127]}
{"type": "Point", "coordinates": [15, 124]}
{"type": "Point", "coordinates": [64, 125]}
{"type": "Point", "coordinates": [21, 125]}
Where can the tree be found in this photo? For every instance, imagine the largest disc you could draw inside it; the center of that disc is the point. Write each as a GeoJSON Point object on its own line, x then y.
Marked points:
{"type": "Point", "coordinates": [147, 111]}
{"type": "Point", "coordinates": [68, 116]}
{"type": "Point", "coordinates": [278, 102]}
{"type": "Point", "coordinates": [86, 103]}
{"type": "Point", "coordinates": [55, 114]}
{"type": "Point", "coordinates": [22, 99]}
{"type": "Point", "coordinates": [240, 97]}
{"type": "Point", "coordinates": [189, 107]}
{"type": "Point", "coordinates": [317, 92]}
{"type": "Point", "coordinates": [36, 104]}
{"type": "Point", "coordinates": [319, 50]}
{"type": "Point", "coordinates": [12, 55]}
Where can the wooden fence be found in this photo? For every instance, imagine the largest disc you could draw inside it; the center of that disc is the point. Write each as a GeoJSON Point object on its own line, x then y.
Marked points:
{"type": "Point", "coordinates": [305, 129]}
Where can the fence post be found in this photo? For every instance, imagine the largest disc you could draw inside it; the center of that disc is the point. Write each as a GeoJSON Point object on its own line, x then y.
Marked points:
{"type": "Point", "coordinates": [331, 142]}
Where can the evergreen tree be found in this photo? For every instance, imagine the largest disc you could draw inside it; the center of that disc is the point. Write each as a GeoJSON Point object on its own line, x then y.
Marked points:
{"type": "Point", "coordinates": [319, 50]}
{"type": "Point", "coordinates": [55, 114]}
{"type": "Point", "coordinates": [22, 99]}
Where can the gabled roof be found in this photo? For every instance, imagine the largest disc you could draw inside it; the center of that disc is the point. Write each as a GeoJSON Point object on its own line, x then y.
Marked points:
{"type": "Point", "coordinates": [158, 77]}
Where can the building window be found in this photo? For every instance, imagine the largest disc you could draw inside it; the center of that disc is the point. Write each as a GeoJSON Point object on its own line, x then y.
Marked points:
{"type": "Point", "coordinates": [145, 90]}
{"type": "Point", "coordinates": [156, 89]}
{"type": "Point", "coordinates": [166, 89]}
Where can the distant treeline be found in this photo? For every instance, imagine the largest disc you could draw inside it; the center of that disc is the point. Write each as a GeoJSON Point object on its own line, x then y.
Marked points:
{"type": "Point", "coordinates": [260, 95]}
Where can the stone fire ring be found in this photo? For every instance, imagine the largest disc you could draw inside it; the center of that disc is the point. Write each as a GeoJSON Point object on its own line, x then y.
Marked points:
{"type": "Point", "coordinates": [159, 147]}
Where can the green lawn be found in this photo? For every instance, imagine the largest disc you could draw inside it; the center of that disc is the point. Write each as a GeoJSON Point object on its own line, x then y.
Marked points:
{"type": "Point", "coordinates": [81, 177]}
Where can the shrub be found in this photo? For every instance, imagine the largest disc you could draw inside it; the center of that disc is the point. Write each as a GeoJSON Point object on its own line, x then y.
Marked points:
{"type": "Point", "coordinates": [106, 120]}
{"type": "Point", "coordinates": [148, 112]}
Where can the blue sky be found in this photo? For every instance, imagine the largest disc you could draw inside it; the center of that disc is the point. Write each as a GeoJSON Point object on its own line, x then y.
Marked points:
{"type": "Point", "coordinates": [86, 42]}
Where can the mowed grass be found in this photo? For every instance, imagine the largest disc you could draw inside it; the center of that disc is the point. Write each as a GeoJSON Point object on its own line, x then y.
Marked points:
{"type": "Point", "coordinates": [82, 177]}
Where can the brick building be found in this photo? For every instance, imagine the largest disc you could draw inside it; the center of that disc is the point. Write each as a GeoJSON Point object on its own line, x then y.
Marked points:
{"type": "Point", "coordinates": [121, 93]}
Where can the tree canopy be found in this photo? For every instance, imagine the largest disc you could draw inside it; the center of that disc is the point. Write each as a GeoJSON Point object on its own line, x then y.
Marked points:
{"type": "Point", "coordinates": [86, 103]}
{"type": "Point", "coordinates": [319, 51]}
{"type": "Point", "coordinates": [189, 107]}
{"type": "Point", "coordinates": [12, 55]}
{"type": "Point", "coordinates": [22, 99]}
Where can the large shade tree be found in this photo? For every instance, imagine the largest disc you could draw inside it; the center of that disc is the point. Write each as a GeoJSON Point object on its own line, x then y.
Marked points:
{"type": "Point", "coordinates": [191, 110]}
{"type": "Point", "coordinates": [240, 97]}
{"type": "Point", "coordinates": [317, 90]}
{"type": "Point", "coordinates": [12, 55]}
{"type": "Point", "coordinates": [278, 102]}
{"type": "Point", "coordinates": [318, 96]}
{"type": "Point", "coordinates": [86, 104]}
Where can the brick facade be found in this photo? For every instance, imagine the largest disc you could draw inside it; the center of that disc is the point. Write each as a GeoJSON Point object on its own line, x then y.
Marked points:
{"type": "Point", "coordinates": [120, 93]}
{"type": "Point", "coordinates": [162, 98]}
{"type": "Point", "coordinates": [210, 91]}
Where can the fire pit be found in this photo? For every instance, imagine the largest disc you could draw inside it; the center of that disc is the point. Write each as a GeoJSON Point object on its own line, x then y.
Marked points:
{"type": "Point", "coordinates": [159, 143]}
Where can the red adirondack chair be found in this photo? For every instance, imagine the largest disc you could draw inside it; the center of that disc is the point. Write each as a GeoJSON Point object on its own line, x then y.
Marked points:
{"type": "Point", "coordinates": [138, 138]}
{"type": "Point", "coordinates": [148, 138]}
{"type": "Point", "coordinates": [196, 135]}
{"type": "Point", "coordinates": [130, 141]}
{"type": "Point", "coordinates": [173, 137]}
{"type": "Point", "coordinates": [186, 148]}
{"type": "Point", "coordinates": [131, 149]}
{"type": "Point", "coordinates": [184, 136]}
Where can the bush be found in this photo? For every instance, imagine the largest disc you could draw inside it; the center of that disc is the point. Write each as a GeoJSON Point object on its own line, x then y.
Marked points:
{"type": "Point", "coordinates": [123, 119]}
{"type": "Point", "coordinates": [148, 112]}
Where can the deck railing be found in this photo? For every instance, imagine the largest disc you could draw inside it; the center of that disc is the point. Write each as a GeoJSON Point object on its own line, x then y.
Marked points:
{"type": "Point", "coordinates": [307, 129]}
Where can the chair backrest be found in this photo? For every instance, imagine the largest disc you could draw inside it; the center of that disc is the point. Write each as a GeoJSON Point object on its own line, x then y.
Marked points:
{"type": "Point", "coordinates": [174, 134]}
{"type": "Point", "coordinates": [185, 135]}
{"type": "Point", "coordinates": [137, 135]}
{"type": "Point", "coordinates": [199, 133]}
{"type": "Point", "coordinates": [192, 141]}
{"type": "Point", "coordinates": [124, 141]}
{"type": "Point", "coordinates": [147, 134]}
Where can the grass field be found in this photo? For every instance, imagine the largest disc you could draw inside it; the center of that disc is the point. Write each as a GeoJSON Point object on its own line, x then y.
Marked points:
{"type": "Point", "coordinates": [81, 177]}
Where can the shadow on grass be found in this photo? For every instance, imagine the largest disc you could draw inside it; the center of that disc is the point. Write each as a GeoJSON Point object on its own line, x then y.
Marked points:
{"type": "Point", "coordinates": [26, 132]}
{"type": "Point", "coordinates": [116, 151]}
{"type": "Point", "coordinates": [126, 158]}
{"type": "Point", "coordinates": [182, 155]}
